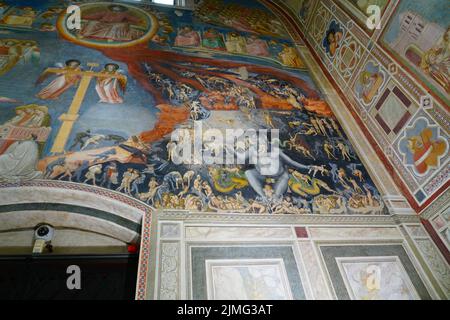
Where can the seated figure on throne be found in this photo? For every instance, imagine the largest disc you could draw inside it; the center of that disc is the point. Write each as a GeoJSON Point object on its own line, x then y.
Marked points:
{"type": "Point", "coordinates": [19, 161]}
{"type": "Point", "coordinates": [257, 47]}
{"type": "Point", "coordinates": [113, 24]}
{"type": "Point", "coordinates": [436, 61]}
{"type": "Point", "coordinates": [235, 43]}
{"type": "Point", "coordinates": [187, 37]}
{"type": "Point", "coordinates": [12, 51]}
{"type": "Point", "coordinates": [290, 58]}
{"type": "Point", "coordinates": [9, 54]}
{"type": "Point", "coordinates": [370, 83]}
{"type": "Point", "coordinates": [20, 17]}
{"type": "Point", "coordinates": [212, 39]}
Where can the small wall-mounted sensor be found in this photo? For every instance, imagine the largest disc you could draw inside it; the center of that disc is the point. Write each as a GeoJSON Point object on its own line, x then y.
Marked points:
{"type": "Point", "coordinates": [44, 232]}
{"type": "Point", "coordinates": [43, 235]}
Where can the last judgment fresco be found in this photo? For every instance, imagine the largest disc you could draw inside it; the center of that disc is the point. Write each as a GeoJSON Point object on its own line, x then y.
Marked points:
{"type": "Point", "coordinates": [99, 104]}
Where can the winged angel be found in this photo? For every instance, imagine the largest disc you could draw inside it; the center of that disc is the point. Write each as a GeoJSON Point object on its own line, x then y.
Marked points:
{"type": "Point", "coordinates": [66, 77]}
{"type": "Point", "coordinates": [109, 81]}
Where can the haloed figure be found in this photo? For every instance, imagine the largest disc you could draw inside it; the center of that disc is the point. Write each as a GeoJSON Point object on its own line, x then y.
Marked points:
{"type": "Point", "coordinates": [108, 84]}
{"type": "Point", "coordinates": [63, 81]}
{"type": "Point", "coordinates": [115, 23]}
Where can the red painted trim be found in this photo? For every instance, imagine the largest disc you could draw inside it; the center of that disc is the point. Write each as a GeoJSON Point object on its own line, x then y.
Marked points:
{"type": "Point", "coordinates": [435, 195]}
{"type": "Point", "coordinates": [437, 239]}
{"type": "Point", "coordinates": [301, 232]}
{"type": "Point", "coordinates": [389, 167]}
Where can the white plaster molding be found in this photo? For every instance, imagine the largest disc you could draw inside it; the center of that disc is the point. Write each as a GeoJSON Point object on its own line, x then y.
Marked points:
{"type": "Point", "coordinates": [62, 238]}
{"type": "Point", "coordinates": [42, 194]}
{"type": "Point", "coordinates": [354, 233]}
{"type": "Point", "coordinates": [241, 233]}
{"type": "Point", "coordinates": [18, 220]}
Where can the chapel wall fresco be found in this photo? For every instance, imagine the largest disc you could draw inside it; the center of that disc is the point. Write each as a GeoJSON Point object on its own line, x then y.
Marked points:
{"type": "Point", "coordinates": [396, 78]}
{"type": "Point", "coordinates": [98, 106]}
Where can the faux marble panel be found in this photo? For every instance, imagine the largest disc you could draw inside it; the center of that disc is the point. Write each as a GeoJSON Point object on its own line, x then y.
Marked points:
{"type": "Point", "coordinates": [377, 278]}
{"type": "Point", "coordinates": [169, 275]}
{"type": "Point", "coordinates": [417, 231]}
{"type": "Point", "coordinates": [237, 233]}
{"type": "Point", "coordinates": [350, 232]}
{"type": "Point", "coordinates": [314, 273]}
{"type": "Point", "coordinates": [256, 279]}
{"type": "Point", "coordinates": [331, 253]}
{"type": "Point", "coordinates": [438, 265]}
{"type": "Point", "coordinates": [199, 256]}
{"type": "Point", "coordinates": [170, 230]}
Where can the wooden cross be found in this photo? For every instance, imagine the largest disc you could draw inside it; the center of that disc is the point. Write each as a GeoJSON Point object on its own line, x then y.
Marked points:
{"type": "Point", "coordinates": [68, 119]}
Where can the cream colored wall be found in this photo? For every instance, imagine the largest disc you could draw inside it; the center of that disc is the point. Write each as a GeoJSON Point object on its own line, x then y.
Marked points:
{"type": "Point", "coordinates": [176, 233]}
{"type": "Point", "coordinates": [65, 241]}
{"type": "Point", "coordinates": [86, 219]}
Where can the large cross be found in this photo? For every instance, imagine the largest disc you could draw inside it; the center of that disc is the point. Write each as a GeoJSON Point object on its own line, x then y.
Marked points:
{"type": "Point", "coordinates": [68, 119]}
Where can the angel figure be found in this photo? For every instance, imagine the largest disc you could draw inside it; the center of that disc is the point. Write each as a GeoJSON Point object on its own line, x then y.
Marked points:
{"type": "Point", "coordinates": [67, 78]}
{"type": "Point", "coordinates": [12, 51]}
{"type": "Point", "coordinates": [108, 84]}
{"type": "Point", "coordinates": [7, 100]}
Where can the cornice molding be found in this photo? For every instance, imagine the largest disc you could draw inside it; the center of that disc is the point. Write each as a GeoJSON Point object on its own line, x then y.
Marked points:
{"type": "Point", "coordinates": [66, 185]}
{"type": "Point", "coordinates": [224, 218]}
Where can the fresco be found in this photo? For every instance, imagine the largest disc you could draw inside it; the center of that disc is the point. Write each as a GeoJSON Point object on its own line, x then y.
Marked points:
{"type": "Point", "coordinates": [26, 16]}
{"type": "Point", "coordinates": [249, 17]}
{"type": "Point", "coordinates": [369, 83]}
{"type": "Point", "coordinates": [394, 283]}
{"type": "Point", "coordinates": [333, 38]}
{"type": "Point", "coordinates": [99, 105]}
{"type": "Point", "coordinates": [306, 7]}
{"type": "Point", "coordinates": [244, 280]}
{"type": "Point", "coordinates": [358, 9]}
{"type": "Point", "coordinates": [14, 51]}
{"type": "Point", "coordinates": [418, 35]}
{"type": "Point", "coordinates": [302, 8]}
{"type": "Point", "coordinates": [111, 25]}
{"type": "Point", "coordinates": [423, 147]}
